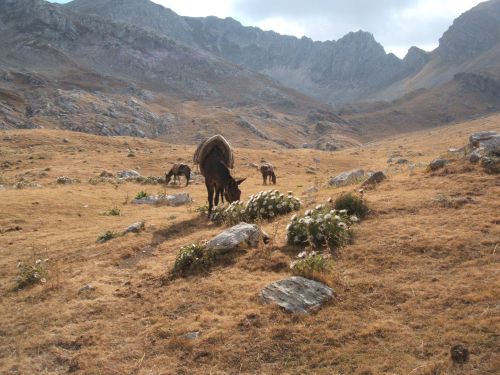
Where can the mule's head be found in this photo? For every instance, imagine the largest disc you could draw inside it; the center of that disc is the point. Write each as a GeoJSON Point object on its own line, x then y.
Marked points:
{"type": "Point", "coordinates": [232, 191]}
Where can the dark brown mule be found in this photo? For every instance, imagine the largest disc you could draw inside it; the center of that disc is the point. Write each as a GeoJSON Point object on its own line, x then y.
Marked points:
{"type": "Point", "coordinates": [267, 171]}
{"type": "Point", "coordinates": [218, 180]}
{"type": "Point", "coordinates": [176, 171]}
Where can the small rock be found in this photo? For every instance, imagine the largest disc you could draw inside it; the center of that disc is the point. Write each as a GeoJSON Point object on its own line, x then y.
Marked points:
{"type": "Point", "coordinates": [491, 164]}
{"type": "Point", "coordinates": [135, 228]}
{"type": "Point", "coordinates": [437, 164]}
{"type": "Point", "coordinates": [65, 140]}
{"type": "Point", "coordinates": [64, 180]}
{"type": "Point", "coordinates": [253, 165]}
{"type": "Point", "coordinates": [375, 178]}
{"type": "Point", "coordinates": [459, 354]}
{"type": "Point", "coordinates": [475, 156]}
{"type": "Point", "coordinates": [128, 173]}
{"type": "Point", "coordinates": [240, 234]}
{"type": "Point", "coordinates": [311, 190]}
{"type": "Point", "coordinates": [106, 174]}
{"type": "Point", "coordinates": [347, 178]}
{"type": "Point", "coordinates": [86, 288]}
{"type": "Point", "coordinates": [191, 335]}
{"type": "Point", "coordinates": [2, 187]}
{"type": "Point", "coordinates": [402, 161]}
{"type": "Point", "coordinates": [297, 294]}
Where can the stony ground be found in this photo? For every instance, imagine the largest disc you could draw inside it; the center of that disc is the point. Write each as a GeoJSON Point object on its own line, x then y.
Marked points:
{"type": "Point", "coordinates": [420, 276]}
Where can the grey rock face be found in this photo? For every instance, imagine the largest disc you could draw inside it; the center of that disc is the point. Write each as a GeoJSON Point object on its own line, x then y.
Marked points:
{"type": "Point", "coordinates": [476, 138]}
{"type": "Point", "coordinates": [297, 294]}
{"type": "Point", "coordinates": [347, 178]}
{"type": "Point", "coordinates": [341, 70]}
{"type": "Point", "coordinates": [238, 235]}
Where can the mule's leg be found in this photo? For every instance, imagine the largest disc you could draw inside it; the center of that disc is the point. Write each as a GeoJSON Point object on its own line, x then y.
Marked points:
{"type": "Point", "coordinates": [264, 182]}
{"type": "Point", "coordinates": [188, 175]}
{"type": "Point", "coordinates": [210, 191]}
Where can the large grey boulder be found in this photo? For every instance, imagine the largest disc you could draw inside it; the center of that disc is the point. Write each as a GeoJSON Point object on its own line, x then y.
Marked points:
{"type": "Point", "coordinates": [127, 173]}
{"type": "Point", "coordinates": [347, 178]}
{"type": "Point", "coordinates": [297, 294]}
{"type": "Point", "coordinates": [240, 235]}
{"type": "Point", "coordinates": [478, 137]}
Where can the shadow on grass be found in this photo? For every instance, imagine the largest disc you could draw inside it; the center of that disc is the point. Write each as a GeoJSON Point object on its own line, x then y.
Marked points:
{"type": "Point", "coordinates": [183, 228]}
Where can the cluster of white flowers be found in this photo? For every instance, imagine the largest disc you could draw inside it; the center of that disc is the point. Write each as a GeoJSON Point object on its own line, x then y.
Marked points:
{"type": "Point", "coordinates": [264, 205]}
{"type": "Point", "coordinates": [31, 274]}
{"type": "Point", "coordinates": [271, 203]}
{"type": "Point", "coordinates": [321, 226]}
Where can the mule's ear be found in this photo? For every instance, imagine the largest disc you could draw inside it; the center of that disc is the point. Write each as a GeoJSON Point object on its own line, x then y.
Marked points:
{"type": "Point", "coordinates": [238, 182]}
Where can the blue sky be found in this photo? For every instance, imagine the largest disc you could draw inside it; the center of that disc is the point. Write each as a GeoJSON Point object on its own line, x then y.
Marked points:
{"type": "Point", "coordinates": [396, 24]}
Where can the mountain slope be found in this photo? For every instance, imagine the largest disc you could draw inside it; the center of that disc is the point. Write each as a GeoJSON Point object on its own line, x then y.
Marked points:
{"type": "Point", "coordinates": [470, 45]}
{"type": "Point", "coordinates": [352, 68]}
{"type": "Point", "coordinates": [78, 71]}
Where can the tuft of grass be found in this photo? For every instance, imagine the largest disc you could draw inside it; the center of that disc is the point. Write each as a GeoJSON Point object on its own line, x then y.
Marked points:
{"type": "Point", "coordinates": [141, 194]}
{"type": "Point", "coordinates": [107, 236]}
{"type": "Point", "coordinates": [115, 211]}
{"type": "Point", "coordinates": [193, 257]}
{"type": "Point", "coordinates": [312, 266]}
{"type": "Point", "coordinates": [354, 204]}
{"type": "Point", "coordinates": [30, 274]}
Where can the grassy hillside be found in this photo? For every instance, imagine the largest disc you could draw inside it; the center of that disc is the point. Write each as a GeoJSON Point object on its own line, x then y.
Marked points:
{"type": "Point", "coordinates": [420, 275]}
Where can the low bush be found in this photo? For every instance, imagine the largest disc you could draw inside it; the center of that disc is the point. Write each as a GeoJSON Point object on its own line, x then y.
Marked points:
{"type": "Point", "coordinates": [192, 257]}
{"type": "Point", "coordinates": [321, 226]}
{"type": "Point", "coordinates": [115, 211]}
{"type": "Point", "coordinates": [354, 204]}
{"type": "Point", "coordinates": [106, 236]}
{"type": "Point", "coordinates": [30, 274]}
{"type": "Point", "coordinates": [141, 194]}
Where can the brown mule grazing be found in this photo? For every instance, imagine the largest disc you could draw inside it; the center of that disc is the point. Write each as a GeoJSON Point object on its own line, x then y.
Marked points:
{"type": "Point", "coordinates": [218, 179]}
{"type": "Point", "coordinates": [267, 171]}
{"type": "Point", "coordinates": [176, 171]}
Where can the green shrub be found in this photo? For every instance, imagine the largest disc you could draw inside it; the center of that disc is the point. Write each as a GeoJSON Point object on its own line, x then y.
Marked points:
{"type": "Point", "coordinates": [106, 236]}
{"type": "Point", "coordinates": [354, 205]}
{"type": "Point", "coordinates": [115, 211]}
{"type": "Point", "coordinates": [192, 257]}
{"type": "Point", "coordinates": [310, 265]}
{"type": "Point", "coordinates": [141, 194]}
{"type": "Point", "coordinates": [322, 226]}
{"type": "Point", "coordinates": [30, 274]}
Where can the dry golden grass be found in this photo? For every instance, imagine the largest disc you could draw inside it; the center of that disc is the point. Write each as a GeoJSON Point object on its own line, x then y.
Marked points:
{"type": "Point", "coordinates": [418, 278]}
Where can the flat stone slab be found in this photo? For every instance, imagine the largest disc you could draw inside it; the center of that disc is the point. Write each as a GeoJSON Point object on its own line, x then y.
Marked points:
{"type": "Point", "coordinates": [127, 173]}
{"type": "Point", "coordinates": [297, 294]}
{"type": "Point", "coordinates": [240, 234]}
{"type": "Point", "coordinates": [167, 200]}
